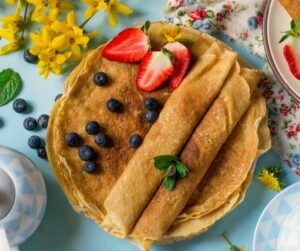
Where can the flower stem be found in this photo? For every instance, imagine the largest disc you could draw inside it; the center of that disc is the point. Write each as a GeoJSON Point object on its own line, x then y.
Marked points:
{"type": "Point", "coordinates": [24, 22]}
{"type": "Point", "coordinates": [226, 240]}
{"type": "Point", "coordinates": [85, 22]}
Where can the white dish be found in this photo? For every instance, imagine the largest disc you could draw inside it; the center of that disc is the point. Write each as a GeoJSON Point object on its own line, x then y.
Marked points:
{"type": "Point", "coordinates": [276, 21]}
{"type": "Point", "coordinates": [272, 219]}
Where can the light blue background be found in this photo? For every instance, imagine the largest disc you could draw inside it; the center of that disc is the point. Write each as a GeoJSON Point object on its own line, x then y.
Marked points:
{"type": "Point", "coordinates": [62, 229]}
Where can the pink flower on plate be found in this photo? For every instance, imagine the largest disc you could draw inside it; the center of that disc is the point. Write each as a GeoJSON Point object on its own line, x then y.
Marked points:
{"type": "Point", "coordinates": [219, 17]}
{"type": "Point", "coordinates": [298, 128]}
{"type": "Point", "coordinates": [291, 134]}
{"type": "Point", "coordinates": [291, 127]}
{"type": "Point", "coordinates": [268, 94]}
{"type": "Point", "coordinates": [245, 35]}
{"type": "Point", "coordinates": [279, 99]}
{"type": "Point", "coordinates": [228, 6]}
{"type": "Point", "coordinates": [284, 111]}
{"type": "Point", "coordinates": [198, 14]}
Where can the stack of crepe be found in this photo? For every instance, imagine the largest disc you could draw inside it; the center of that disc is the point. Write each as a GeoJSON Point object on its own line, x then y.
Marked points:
{"type": "Point", "coordinates": [215, 122]}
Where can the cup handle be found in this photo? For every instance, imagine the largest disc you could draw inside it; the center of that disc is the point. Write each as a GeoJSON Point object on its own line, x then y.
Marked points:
{"type": "Point", "coordinates": [4, 245]}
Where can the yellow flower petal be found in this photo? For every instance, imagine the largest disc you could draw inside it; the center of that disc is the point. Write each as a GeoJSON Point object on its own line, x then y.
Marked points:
{"type": "Point", "coordinates": [112, 18]}
{"type": "Point", "coordinates": [8, 35]}
{"type": "Point", "coordinates": [93, 34]}
{"type": "Point", "coordinates": [5, 49]}
{"type": "Point", "coordinates": [10, 2]}
{"type": "Point", "coordinates": [76, 52]}
{"type": "Point", "coordinates": [83, 40]}
{"type": "Point", "coordinates": [59, 27]}
{"type": "Point", "coordinates": [89, 12]}
{"type": "Point", "coordinates": [39, 10]}
{"type": "Point", "coordinates": [59, 42]}
{"type": "Point", "coordinates": [123, 9]}
{"type": "Point", "coordinates": [71, 19]}
{"type": "Point", "coordinates": [268, 180]}
{"type": "Point", "coordinates": [60, 59]}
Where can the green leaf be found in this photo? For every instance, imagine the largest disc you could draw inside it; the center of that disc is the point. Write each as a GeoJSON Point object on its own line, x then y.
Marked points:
{"type": "Point", "coordinates": [187, 42]}
{"type": "Point", "coordinates": [297, 24]}
{"type": "Point", "coordinates": [171, 171]}
{"type": "Point", "coordinates": [10, 84]}
{"type": "Point", "coordinates": [181, 168]}
{"type": "Point", "coordinates": [168, 53]}
{"type": "Point", "coordinates": [164, 161]}
{"type": "Point", "coordinates": [210, 14]}
{"type": "Point", "coordinates": [146, 27]}
{"type": "Point", "coordinates": [293, 24]}
{"type": "Point", "coordinates": [169, 182]}
{"type": "Point", "coordinates": [286, 36]}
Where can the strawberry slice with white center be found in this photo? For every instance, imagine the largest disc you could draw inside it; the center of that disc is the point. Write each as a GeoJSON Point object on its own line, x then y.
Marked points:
{"type": "Point", "coordinates": [182, 60]}
{"type": "Point", "coordinates": [129, 46]}
{"type": "Point", "coordinates": [154, 70]}
{"type": "Point", "coordinates": [293, 62]}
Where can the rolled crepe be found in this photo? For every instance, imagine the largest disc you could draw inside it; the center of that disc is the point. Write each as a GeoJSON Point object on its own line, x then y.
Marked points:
{"type": "Point", "coordinates": [198, 154]}
{"type": "Point", "coordinates": [181, 114]}
{"type": "Point", "coordinates": [292, 7]}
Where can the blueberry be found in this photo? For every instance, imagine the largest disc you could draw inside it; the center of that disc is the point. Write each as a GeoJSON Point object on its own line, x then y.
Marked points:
{"type": "Point", "coordinates": [86, 153]}
{"type": "Point", "coordinates": [43, 121]}
{"type": "Point", "coordinates": [42, 153]}
{"type": "Point", "coordinates": [100, 79]}
{"type": "Point", "coordinates": [19, 105]}
{"type": "Point", "coordinates": [135, 141]}
{"type": "Point", "coordinates": [151, 104]}
{"type": "Point", "coordinates": [151, 116]}
{"type": "Point", "coordinates": [34, 142]}
{"type": "Point", "coordinates": [92, 128]}
{"type": "Point", "coordinates": [29, 58]}
{"type": "Point", "coordinates": [113, 105]}
{"type": "Point", "coordinates": [29, 123]}
{"type": "Point", "coordinates": [73, 139]}
{"type": "Point", "coordinates": [58, 96]}
{"type": "Point", "coordinates": [102, 140]}
{"type": "Point", "coordinates": [90, 167]}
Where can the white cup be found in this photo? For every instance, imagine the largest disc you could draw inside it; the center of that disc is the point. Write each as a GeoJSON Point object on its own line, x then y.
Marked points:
{"type": "Point", "coordinates": [22, 199]}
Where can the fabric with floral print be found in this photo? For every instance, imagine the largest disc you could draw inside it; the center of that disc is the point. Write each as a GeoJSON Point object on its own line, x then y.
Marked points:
{"type": "Point", "coordinates": [241, 21]}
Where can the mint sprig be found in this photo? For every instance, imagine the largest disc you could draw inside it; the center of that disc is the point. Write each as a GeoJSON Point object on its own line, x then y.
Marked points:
{"type": "Point", "coordinates": [293, 32]}
{"type": "Point", "coordinates": [172, 168]}
{"type": "Point", "coordinates": [10, 84]}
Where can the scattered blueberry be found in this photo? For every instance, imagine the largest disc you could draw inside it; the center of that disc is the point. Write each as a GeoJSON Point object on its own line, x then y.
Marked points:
{"type": "Point", "coordinates": [42, 153]}
{"type": "Point", "coordinates": [29, 123]}
{"type": "Point", "coordinates": [151, 116]}
{"type": "Point", "coordinates": [58, 96]}
{"type": "Point", "coordinates": [86, 153]}
{"type": "Point", "coordinates": [43, 121]}
{"type": "Point", "coordinates": [151, 104]}
{"type": "Point", "coordinates": [19, 105]}
{"type": "Point", "coordinates": [73, 139]}
{"type": "Point", "coordinates": [100, 79]}
{"type": "Point", "coordinates": [102, 140]}
{"type": "Point", "coordinates": [113, 105]}
{"type": "Point", "coordinates": [135, 141]}
{"type": "Point", "coordinates": [90, 167]}
{"type": "Point", "coordinates": [34, 142]}
{"type": "Point", "coordinates": [29, 58]}
{"type": "Point", "coordinates": [92, 128]}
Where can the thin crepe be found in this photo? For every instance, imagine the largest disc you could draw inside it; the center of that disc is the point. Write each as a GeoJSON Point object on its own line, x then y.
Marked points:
{"type": "Point", "coordinates": [181, 113]}
{"type": "Point", "coordinates": [197, 155]}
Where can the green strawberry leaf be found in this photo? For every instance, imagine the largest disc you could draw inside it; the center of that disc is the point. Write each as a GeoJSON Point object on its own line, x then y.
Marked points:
{"type": "Point", "coordinates": [286, 36]}
{"type": "Point", "coordinates": [171, 171]}
{"type": "Point", "coordinates": [169, 182]}
{"type": "Point", "coordinates": [10, 84]}
{"type": "Point", "coordinates": [181, 168]}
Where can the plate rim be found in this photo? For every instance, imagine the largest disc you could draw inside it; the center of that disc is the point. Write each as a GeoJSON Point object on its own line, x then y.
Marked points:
{"type": "Point", "coordinates": [270, 60]}
{"type": "Point", "coordinates": [267, 207]}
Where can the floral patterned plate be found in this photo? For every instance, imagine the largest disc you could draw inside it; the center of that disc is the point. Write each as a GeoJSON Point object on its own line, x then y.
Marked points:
{"type": "Point", "coordinates": [273, 29]}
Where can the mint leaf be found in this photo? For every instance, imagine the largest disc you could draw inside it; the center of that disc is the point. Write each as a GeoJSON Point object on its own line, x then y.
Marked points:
{"type": "Point", "coordinates": [10, 84]}
{"type": "Point", "coordinates": [169, 182]}
{"type": "Point", "coordinates": [164, 161]}
{"type": "Point", "coordinates": [181, 168]}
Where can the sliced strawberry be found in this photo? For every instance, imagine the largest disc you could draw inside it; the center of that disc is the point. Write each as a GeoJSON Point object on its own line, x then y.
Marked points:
{"type": "Point", "coordinates": [182, 59]}
{"type": "Point", "coordinates": [291, 59]}
{"type": "Point", "coordinates": [154, 70]}
{"type": "Point", "coordinates": [131, 45]}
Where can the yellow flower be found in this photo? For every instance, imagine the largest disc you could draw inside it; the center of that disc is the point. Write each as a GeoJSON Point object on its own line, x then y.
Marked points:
{"type": "Point", "coordinates": [172, 35]}
{"type": "Point", "coordinates": [71, 37]}
{"type": "Point", "coordinates": [10, 25]}
{"type": "Point", "coordinates": [49, 20]}
{"type": "Point", "coordinates": [51, 61]}
{"type": "Point", "coordinates": [59, 5]}
{"type": "Point", "coordinates": [41, 40]}
{"type": "Point", "coordinates": [113, 7]}
{"type": "Point", "coordinates": [94, 7]}
{"type": "Point", "coordinates": [268, 179]}
{"type": "Point", "coordinates": [11, 2]}
{"type": "Point", "coordinates": [40, 8]}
